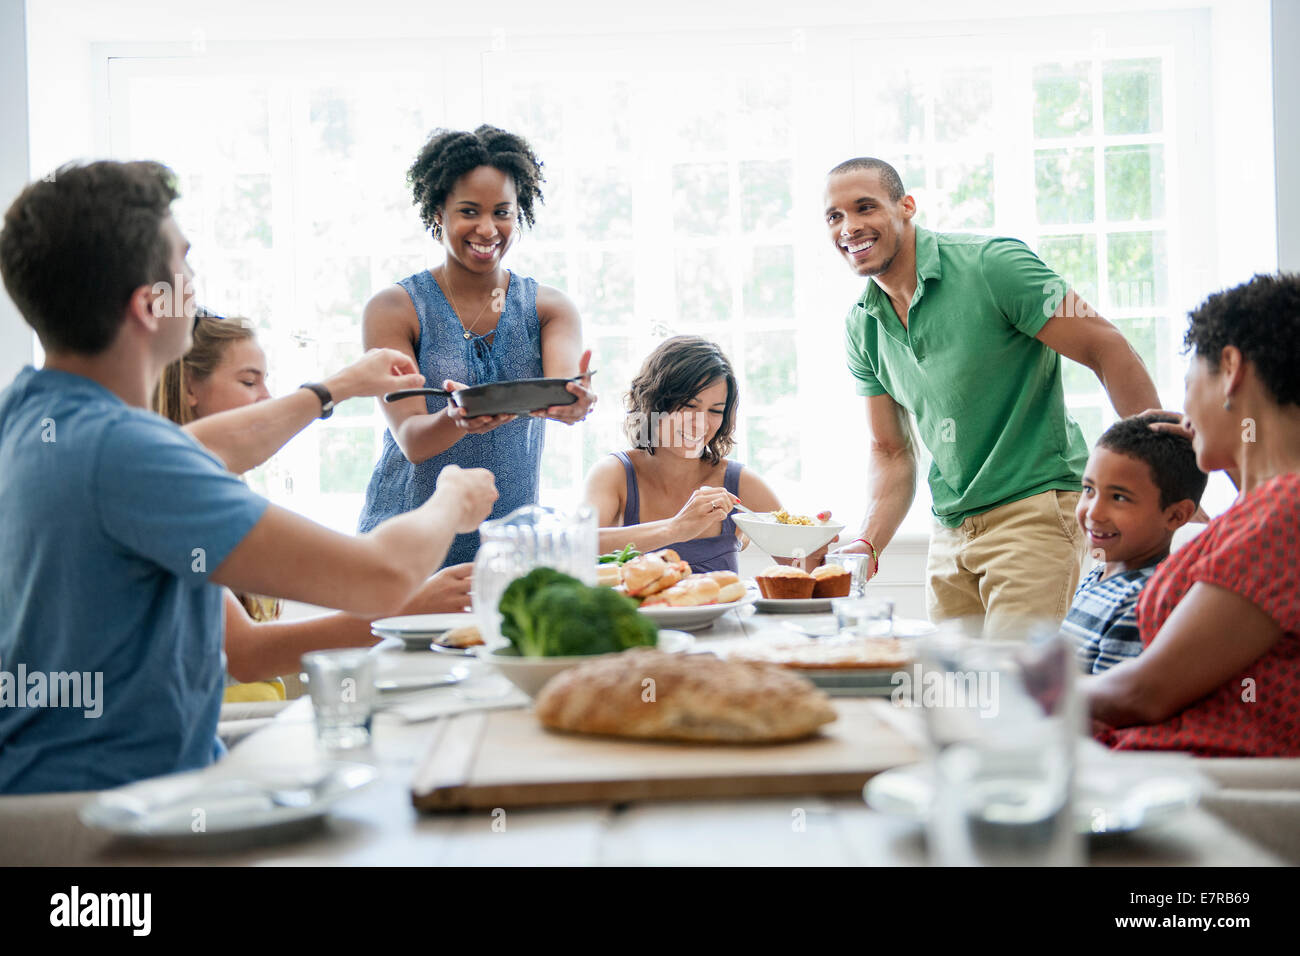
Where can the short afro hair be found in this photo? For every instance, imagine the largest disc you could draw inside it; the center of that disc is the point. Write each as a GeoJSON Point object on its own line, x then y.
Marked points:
{"type": "Point", "coordinates": [76, 245]}
{"type": "Point", "coordinates": [450, 154]}
{"type": "Point", "coordinates": [1262, 319]}
{"type": "Point", "coordinates": [1170, 457]}
{"type": "Point", "coordinates": [889, 177]}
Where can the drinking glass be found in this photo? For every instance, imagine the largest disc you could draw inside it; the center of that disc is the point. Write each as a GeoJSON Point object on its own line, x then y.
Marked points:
{"type": "Point", "coordinates": [1002, 718]}
{"type": "Point", "coordinates": [863, 616]}
{"type": "Point", "coordinates": [529, 537]}
{"type": "Point", "coordinates": [342, 687]}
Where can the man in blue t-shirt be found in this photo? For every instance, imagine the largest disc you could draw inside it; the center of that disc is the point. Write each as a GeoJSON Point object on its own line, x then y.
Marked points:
{"type": "Point", "coordinates": [116, 526]}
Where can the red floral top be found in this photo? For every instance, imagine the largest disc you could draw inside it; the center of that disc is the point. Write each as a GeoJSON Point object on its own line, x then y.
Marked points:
{"type": "Point", "coordinates": [1253, 550]}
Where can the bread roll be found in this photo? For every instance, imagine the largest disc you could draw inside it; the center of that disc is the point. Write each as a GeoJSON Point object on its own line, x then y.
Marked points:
{"type": "Point", "coordinates": [642, 572]}
{"type": "Point", "coordinates": [696, 698]}
{"type": "Point", "coordinates": [692, 592]}
{"type": "Point", "coordinates": [732, 592]}
{"type": "Point", "coordinates": [672, 574]}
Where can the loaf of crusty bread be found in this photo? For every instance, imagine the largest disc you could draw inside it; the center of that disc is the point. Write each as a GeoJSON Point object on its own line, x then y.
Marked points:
{"type": "Point", "coordinates": [692, 697]}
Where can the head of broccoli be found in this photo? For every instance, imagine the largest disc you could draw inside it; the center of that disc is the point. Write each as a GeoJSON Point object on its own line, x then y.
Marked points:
{"type": "Point", "coordinates": [549, 614]}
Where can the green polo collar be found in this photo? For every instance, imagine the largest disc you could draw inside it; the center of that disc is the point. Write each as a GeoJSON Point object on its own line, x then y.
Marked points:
{"type": "Point", "coordinates": [876, 302]}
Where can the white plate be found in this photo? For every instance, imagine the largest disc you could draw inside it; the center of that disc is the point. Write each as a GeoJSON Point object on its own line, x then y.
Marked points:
{"type": "Point", "coordinates": [421, 625]}
{"type": "Point", "coordinates": [904, 628]}
{"type": "Point", "coordinates": [793, 605]}
{"type": "Point", "coordinates": [225, 803]}
{"type": "Point", "coordinates": [530, 674]}
{"type": "Point", "coordinates": [693, 618]}
{"type": "Point", "coordinates": [1109, 797]}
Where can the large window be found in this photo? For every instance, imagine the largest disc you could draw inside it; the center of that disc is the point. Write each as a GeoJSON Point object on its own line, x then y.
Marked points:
{"type": "Point", "coordinates": [683, 195]}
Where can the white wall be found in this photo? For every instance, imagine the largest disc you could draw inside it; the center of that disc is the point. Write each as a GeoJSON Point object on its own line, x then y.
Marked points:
{"type": "Point", "coordinates": [15, 335]}
{"type": "Point", "coordinates": [1286, 126]}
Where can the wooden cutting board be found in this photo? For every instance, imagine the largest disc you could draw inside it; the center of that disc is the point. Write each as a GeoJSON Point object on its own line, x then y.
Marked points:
{"type": "Point", "coordinates": [505, 758]}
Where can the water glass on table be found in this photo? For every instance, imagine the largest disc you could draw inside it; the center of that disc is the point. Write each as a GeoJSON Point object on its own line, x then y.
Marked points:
{"type": "Point", "coordinates": [864, 616]}
{"type": "Point", "coordinates": [1002, 717]}
{"type": "Point", "coordinates": [342, 688]}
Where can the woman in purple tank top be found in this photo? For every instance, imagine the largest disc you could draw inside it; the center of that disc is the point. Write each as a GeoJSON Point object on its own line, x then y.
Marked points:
{"type": "Point", "coordinates": [675, 487]}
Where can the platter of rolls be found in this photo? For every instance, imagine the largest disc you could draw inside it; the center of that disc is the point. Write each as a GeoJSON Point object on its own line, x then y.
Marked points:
{"type": "Point", "coordinates": [672, 595]}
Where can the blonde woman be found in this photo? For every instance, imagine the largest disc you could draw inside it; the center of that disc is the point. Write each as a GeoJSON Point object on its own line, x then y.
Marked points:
{"type": "Point", "coordinates": [220, 384]}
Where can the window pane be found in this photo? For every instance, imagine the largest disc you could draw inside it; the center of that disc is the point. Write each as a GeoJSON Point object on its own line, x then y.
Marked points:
{"type": "Point", "coordinates": [774, 448]}
{"type": "Point", "coordinates": [963, 195]}
{"type": "Point", "coordinates": [347, 456]}
{"type": "Point", "coordinates": [1062, 100]}
{"type": "Point", "coordinates": [765, 200]}
{"type": "Point", "coordinates": [600, 437]}
{"type": "Point", "coordinates": [1090, 420]}
{"type": "Point", "coordinates": [1142, 335]}
{"type": "Point", "coordinates": [771, 369]}
{"type": "Point", "coordinates": [1138, 269]}
{"type": "Point", "coordinates": [701, 203]}
{"type": "Point", "coordinates": [243, 213]}
{"type": "Point", "coordinates": [549, 267]}
{"type": "Point", "coordinates": [769, 282]}
{"type": "Point", "coordinates": [537, 106]}
{"type": "Point", "coordinates": [555, 213]}
{"type": "Point", "coordinates": [703, 287]}
{"type": "Point", "coordinates": [897, 113]}
{"type": "Point", "coordinates": [1077, 379]}
{"type": "Point", "coordinates": [563, 447]}
{"type": "Point", "coordinates": [1064, 183]}
{"type": "Point", "coordinates": [604, 205]}
{"type": "Point", "coordinates": [342, 287]}
{"type": "Point", "coordinates": [329, 125]}
{"type": "Point", "coordinates": [964, 107]}
{"type": "Point", "coordinates": [763, 111]}
{"type": "Point", "coordinates": [700, 105]}
{"type": "Point", "coordinates": [239, 286]}
{"type": "Point", "coordinates": [606, 283]}
{"type": "Point", "coordinates": [1135, 182]}
{"type": "Point", "coordinates": [390, 269]}
{"type": "Point", "coordinates": [1074, 259]}
{"type": "Point", "coordinates": [1131, 96]}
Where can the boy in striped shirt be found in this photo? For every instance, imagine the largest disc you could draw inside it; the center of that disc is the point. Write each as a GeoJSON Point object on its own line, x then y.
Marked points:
{"type": "Point", "coordinates": [1139, 487]}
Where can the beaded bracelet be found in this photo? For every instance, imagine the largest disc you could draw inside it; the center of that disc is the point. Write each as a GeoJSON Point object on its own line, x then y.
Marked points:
{"type": "Point", "coordinates": [875, 555]}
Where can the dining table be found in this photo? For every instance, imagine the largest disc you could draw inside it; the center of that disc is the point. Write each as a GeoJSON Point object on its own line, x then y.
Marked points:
{"type": "Point", "coordinates": [378, 825]}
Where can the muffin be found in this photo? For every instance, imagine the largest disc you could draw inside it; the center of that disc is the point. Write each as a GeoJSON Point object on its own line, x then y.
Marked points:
{"type": "Point", "coordinates": [782, 583]}
{"type": "Point", "coordinates": [831, 581]}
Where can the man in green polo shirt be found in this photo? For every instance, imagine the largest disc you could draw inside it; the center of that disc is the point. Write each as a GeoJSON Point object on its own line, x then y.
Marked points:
{"type": "Point", "coordinates": [967, 332]}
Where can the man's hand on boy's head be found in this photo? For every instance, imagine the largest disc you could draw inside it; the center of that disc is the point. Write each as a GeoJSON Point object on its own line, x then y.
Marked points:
{"type": "Point", "coordinates": [1184, 428]}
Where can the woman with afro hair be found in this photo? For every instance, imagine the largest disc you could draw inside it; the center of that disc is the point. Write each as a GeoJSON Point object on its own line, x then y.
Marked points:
{"type": "Point", "coordinates": [469, 321]}
{"type": "Point", "coordinates": [1219, 673]}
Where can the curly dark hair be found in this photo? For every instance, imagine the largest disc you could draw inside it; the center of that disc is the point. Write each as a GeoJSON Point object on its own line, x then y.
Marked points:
{"type": "Point", "coordinates": [450, 154]}
{"type": "Point", "coordinates": [1262, 319]}
{"type": "Point", "coordinates": [672, 375]}
{"type": "Point", "coordinates": [78, 243]}
{"type": "Point", "coordinates": [1170, 458]}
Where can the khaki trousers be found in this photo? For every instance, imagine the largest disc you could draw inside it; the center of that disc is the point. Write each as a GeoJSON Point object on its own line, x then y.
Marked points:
{"type": "Point", "coordinates": [1018, 560]}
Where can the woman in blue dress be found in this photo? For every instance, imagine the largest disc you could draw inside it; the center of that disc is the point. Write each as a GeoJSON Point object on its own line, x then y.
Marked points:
{"type": "Point", "coordinates": [470, 321]}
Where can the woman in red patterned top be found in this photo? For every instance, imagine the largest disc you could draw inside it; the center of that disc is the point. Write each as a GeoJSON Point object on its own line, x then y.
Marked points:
{"type": "Point", "coordinates": [1219, 674]}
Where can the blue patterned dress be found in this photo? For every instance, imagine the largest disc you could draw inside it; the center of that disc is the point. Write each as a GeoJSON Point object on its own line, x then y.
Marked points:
{"type": "Point", "coordinates": [513, 452]}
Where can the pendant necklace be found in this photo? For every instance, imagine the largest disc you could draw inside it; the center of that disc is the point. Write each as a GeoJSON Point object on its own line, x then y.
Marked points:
{"type": "Point", "coordinates": [469, 332]}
